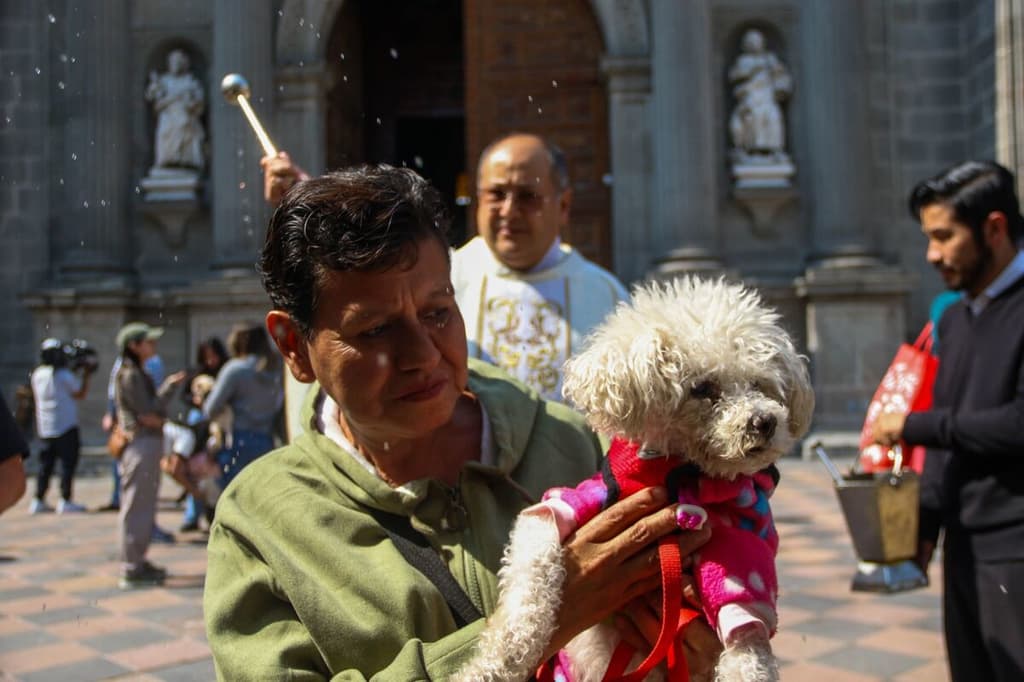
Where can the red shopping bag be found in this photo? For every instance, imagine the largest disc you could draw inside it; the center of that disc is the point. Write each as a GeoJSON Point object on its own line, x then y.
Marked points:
{"type": "Point", "coordinates": [906, 387]}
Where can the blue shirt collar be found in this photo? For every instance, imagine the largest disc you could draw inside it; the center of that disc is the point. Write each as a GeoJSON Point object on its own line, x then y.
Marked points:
{"type": "Point", "coordinates": [1010, 274]}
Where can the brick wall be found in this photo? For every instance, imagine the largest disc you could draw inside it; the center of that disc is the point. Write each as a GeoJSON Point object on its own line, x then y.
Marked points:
{"type": "Point", "coordinates": [24, 183]}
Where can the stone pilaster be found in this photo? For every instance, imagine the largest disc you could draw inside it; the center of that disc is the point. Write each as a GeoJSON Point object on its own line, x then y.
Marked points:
{"type": "Point", "coordinates": [684, 234]}
{"type": "Point", "coordinates": [242, 40]}
{"type": "Point", "coordinates": [1009, 94]}
{"type": "Point", "coordinates": [837, 166]}
{"type": "Point", "coordinates": [300, 108]}
{"type": "Point", "coordinates": [97, 104]}
{"type": "Point", "coordinates": [856, 320]}
{"type": "Point", "coordinates": [629, 92]}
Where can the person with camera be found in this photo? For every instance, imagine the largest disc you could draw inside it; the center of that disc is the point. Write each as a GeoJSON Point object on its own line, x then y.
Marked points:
{"type": "Point", "coordinates": [57, 388]}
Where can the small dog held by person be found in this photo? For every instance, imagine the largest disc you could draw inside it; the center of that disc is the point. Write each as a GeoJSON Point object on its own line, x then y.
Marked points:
{"type": "Point", "coordinates": [701, 391]}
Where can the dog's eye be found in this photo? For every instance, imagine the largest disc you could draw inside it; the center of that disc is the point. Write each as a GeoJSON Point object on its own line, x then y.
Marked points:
{"type": "Point", "coordinates": [704, 389]}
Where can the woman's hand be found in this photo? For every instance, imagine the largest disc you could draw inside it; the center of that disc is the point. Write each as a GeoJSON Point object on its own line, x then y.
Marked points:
{"type": "Point", "coordinates": [613, 559]}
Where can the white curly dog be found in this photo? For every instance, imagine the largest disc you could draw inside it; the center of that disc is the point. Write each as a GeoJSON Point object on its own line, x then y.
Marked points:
{"type": "Point", "coordinates": [702, 390]}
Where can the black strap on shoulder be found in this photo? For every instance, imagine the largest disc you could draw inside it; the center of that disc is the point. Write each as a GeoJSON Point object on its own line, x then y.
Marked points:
{"type": "Point", "coordinates": [415, 549]}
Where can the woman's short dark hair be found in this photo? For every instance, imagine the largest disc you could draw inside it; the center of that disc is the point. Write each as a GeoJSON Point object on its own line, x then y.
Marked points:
{"type": "Point", "coordinates": [361, 219]}
{"type": "Point", "coordinates": [972, 189]}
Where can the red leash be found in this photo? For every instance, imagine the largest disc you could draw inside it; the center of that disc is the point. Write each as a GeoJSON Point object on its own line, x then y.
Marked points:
{"type": "Point", "coordinates": [674, 619]}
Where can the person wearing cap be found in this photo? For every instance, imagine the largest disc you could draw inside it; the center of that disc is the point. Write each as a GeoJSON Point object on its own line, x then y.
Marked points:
{"type": "Point", "coordinates": [141, 412]}
{"type": "Point", "coordinates": [57, 390]}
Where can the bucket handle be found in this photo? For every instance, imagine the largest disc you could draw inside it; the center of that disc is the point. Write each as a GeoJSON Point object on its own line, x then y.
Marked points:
{"type": "Point", "coordinates": [896, 477]}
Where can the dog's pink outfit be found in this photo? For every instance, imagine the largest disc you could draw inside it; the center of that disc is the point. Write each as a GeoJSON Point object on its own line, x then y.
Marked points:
{"type": "Point", "coordinates": [735, 570]}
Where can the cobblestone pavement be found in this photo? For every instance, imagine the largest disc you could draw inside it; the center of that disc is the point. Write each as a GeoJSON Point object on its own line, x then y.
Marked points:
{"type": "Point", "coordinates": [62, 616]}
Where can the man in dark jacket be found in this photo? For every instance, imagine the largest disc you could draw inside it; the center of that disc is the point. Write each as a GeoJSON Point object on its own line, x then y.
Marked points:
{"type": "Point", "coordinates": [973, 480]}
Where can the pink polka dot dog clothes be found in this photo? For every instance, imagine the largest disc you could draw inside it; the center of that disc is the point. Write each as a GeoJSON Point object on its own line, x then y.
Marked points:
{"type": "Point", "coordinates": [735, 570]}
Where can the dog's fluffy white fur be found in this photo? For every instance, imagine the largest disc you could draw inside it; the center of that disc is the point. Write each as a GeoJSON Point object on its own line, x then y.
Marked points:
{"type": "Point", "coordinates": [691, 367]}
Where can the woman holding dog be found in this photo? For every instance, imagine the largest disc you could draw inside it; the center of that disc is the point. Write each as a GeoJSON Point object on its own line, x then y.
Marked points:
{"type": "Point", "coordinates": [404, 437]}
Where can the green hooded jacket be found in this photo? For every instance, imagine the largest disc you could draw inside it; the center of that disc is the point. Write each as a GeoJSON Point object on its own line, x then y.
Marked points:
{"type": "Point", "coordinates": [304, 584]}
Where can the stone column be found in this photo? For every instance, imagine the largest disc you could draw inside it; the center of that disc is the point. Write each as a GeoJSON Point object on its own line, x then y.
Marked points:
{"type": "Point", "coordinates": [1009, 94]}
{"type": "Point", "coordinates": [97, 184]}
{"type": "Point", "coordinates": [243, 43]}
{"type": "Point", "coordinates": [836, 172]}
{"type": "Point", "coordinates": [301, 116]}
{"type": "Point", "coordinates": [684, 234]}
{"type": "Point", "coordinates": [629, 90]}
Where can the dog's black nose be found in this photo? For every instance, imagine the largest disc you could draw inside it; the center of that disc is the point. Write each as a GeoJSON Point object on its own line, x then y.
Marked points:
{"type": "Point", "coordinates": [763, 424]}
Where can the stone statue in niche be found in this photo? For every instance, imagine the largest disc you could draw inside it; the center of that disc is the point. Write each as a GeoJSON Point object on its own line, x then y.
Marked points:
{"type": "Point", "coordinates": [761, 169]}
{"type": "Point", "coordinates": [178, 102]}
{"type": "Point", "coordinates": [172, 188]}
{"type": "Point", "coordinates": [760, 83]}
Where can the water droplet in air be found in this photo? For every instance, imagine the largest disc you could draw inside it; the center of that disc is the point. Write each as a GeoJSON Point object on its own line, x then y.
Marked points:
{"type": "Point", "coordinates": [378, 120]}
{"type": "Point", "coordinates": [342, 55]}
{"type": "Point", "coordinates": [394, 53]}
{"type": "Point", "coordinates": [345, 78]}
{"type": "Point", "coordinates": [51, 18]}
{"type": "Point", "coordinates": [418, 160]}
{"type": "Point", "coordinates": [85, 204]}
{"type": "Point", "coordinates": [241, 185]}
{"type": "Point", "coordinates": [60, 84]}
{"type": "Point", "coordinates": [302, 21]}
{"type": "Point", "coordinates": [103, 202]}
{"type": "Point", "coordinates": [64, 59]}
{"type": "Point", "coordinates": [74, 156]}
{"type": "Point", "coordinates": [38, 71]}
{"type": "Point", "coordinates": [540, 110]}
{"type": "Point", "coordinates": [529, 98]}
{"type": "Point", "coordinates": [554, 84]}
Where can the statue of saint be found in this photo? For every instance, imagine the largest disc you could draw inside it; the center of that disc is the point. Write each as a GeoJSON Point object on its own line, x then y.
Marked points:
{"type": "Point", "coordinates": [178, 102]}
{"type": "Point", "coordinates": [760, 82]}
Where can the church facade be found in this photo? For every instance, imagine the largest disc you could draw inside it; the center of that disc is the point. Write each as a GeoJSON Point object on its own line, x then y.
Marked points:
{"type": "Point", "coordinates": [769, 141]}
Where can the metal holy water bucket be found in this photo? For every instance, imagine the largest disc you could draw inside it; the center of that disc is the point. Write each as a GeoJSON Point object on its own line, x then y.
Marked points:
{"type": "Point", "coordinates": [881, 513]}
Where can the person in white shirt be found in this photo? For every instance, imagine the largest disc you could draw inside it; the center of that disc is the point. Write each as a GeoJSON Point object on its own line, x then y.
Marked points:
{"type": "Point", "coordinates": [528, 298]}
{"type": "Point", "coordinates": [57, 390]}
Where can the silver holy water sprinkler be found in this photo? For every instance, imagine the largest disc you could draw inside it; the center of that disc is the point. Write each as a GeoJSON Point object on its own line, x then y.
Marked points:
{"type": "Point", "coordinates": [236, 91]}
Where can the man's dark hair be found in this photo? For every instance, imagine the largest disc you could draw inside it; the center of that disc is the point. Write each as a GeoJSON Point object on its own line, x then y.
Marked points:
{"type": "Point", "coordinates": [559, 164]}
{"type": "Point", "coordinates": [361, 219]}
{"type": "Point", "coordinates": [972, 189]}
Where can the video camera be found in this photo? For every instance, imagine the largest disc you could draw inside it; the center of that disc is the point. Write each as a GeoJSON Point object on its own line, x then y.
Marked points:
{"type": "Point", "coordinates": [75, 355]}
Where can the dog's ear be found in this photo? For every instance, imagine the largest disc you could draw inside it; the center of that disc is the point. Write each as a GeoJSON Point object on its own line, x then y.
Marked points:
{"type": "Point", "coordinates": [617, 379]}
{"type": "Point", "coordinates": [799, 394]}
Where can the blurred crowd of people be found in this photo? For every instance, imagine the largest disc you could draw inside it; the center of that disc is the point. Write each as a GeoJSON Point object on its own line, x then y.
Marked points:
{"type": "Point", "coordinates": [199, 425]}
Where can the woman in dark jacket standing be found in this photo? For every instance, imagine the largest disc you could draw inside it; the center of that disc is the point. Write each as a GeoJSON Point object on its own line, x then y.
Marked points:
{"type": "Point", "coordinates": [141, 412]}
